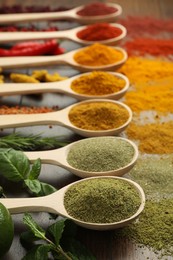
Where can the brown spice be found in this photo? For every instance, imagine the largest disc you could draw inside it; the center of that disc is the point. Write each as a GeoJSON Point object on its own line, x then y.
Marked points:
{"type": "Point", "coordinates": [98, 116]}
{"type": "Point", "coordinates": [155, 138]}
{"type": "Point", "coordinates": [97, 83]}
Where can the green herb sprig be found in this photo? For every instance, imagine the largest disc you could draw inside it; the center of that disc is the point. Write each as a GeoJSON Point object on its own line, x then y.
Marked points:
{"type": "Point", "coordinates": [31, 142]}
{"type": "Point", "coordinates": [59, 240]}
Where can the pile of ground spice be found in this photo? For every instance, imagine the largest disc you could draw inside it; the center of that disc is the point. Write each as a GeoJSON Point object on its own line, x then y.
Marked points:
{"type": "Point", "coordinates": [141, 70]}
{"type": "Point", "coordinates": [150, 26]}
{"type": "Point", "coordinates": [4, 110]}
{"type": "Point", "coordinates": [155, 175]}
{"type": "Point", "coordinates": [97, 55]}
{"type": "Point", "coordinates": [98, 115]}
{"type": "Point", "coordinates": [148, 46]}
{"type": "Point", "coordinates": [153, 228]}
{"type": "Point", "coordinates": [153, 138]}
{"type": "Point", "coordinates": [97, 8]}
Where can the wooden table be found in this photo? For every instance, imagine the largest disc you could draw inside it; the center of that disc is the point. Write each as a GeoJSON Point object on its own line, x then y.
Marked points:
{"type": "Point", "coordinates": [103, 244]}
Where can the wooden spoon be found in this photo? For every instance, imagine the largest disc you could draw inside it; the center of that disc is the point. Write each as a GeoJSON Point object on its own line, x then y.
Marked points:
{"type": "Point", "coordinates": [66, 59]}
{"type": "Point", "coordinates": [64, 87]}
{"type": "Point", "coordinates": [54, 203]}
{"type": "Point", "coordinates": [59, 157]}
{"type": "Point", "coordinates": [61, 118]}
{"type": "Point", "coordinates": [64, 15]}
{"type": "Point", "coordinates": [65, 34]}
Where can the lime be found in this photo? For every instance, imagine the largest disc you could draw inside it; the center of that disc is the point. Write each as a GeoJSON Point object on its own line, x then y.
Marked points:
{"type": "Point", "coordinates": [6, 230]}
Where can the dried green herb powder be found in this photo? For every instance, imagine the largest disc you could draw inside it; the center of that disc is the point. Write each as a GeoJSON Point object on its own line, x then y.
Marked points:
{"type": "Point", "coordinates": [100, 154]}
{"type": "Point", "coordinates": [103, 200]}
{"type": "Point", "coordinates": [154, 227]}
{"type": "Point", "coordinates": [155, 175]}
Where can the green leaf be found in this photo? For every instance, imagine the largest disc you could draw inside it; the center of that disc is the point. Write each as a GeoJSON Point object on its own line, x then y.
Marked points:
{"type": "Point", "coordinates": [27, 239]}
{"type": "Point", "coordinates": [56, 230]}
{"type": "Point", "coordinates": [15, 165]}
{"type": "Point", "coordinates": [34, 227]}
{"type": "Point", "coordinates": [33, 185]}
{"type": "Point", "coordinates": [35, 171]}
{"type": "Point", "coordinates": [39, 252]}
{"type": "Point", "coordinates": [46, 189]}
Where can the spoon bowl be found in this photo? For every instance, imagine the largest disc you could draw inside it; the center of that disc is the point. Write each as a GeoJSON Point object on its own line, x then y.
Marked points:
{"type": "Point", "coordinates": [64, 87]}
{"type": "Point", "coordinates": [64, 15]}
{"type": "Point", "coordinates": [59, 157]}
{"type": "Point", "coordinates": [65, 34]}
{"type": "Point", "coordinates": [54, 203]}
{"type": "Point", "coordinates": [61, 118]}
{"type": "Point", "coordinates": [63, 59]}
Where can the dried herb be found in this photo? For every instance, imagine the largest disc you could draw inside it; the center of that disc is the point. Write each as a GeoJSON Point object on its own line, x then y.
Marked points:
{"type": "Point", "coordinates": [100, 154]}
{"type": "Point", "coordinates": [102, 200]}
{"type": "Point", "coordinates": [30, 142]}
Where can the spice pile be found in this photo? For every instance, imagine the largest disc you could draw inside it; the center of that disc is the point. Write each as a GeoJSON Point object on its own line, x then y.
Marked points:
{"type": "Point", "coordinates": [149, 69]}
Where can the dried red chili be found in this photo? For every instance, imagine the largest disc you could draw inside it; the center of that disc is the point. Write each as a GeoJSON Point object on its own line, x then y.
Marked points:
{"type": "Point", "coordinates": [155, 47]}
{"type": "Point", "coordinates": [32, 49]}
{"type": "Point", "coordinates": [32, 28]}
{"type": "Point", "coordinates": [99, 32]}
{"type": "Point", "coordinates": [96, 9]}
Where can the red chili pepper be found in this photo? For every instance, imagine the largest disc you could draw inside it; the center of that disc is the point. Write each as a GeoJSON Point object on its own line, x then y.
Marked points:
{"type": "Point", "coordinates": [23, 45]}
{"type": "Point", "coordinates": [47, 47]}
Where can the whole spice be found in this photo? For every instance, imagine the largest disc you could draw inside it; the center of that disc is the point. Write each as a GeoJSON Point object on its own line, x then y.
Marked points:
{"type": "Point", "coordinates": [96, 8]}
{"type": "Point", "coordinates": [36, 76]}
{"type": "Point", "coordinates": [100, 154]}
{"type": "Point", "coordinates": [97, 83]}
{"type": "Point", "coordinates": [99, 32]}
{"type": "Point", "coordinates": [104, 200]}
{"type": "Point", "coordinates": [98, 115]}
{"type": "Point", "coordinates": [47, 47]}
{"type": "Point", "coordinates": [153, 138]}
{"type": "Point", "coordinates": [97, 55]}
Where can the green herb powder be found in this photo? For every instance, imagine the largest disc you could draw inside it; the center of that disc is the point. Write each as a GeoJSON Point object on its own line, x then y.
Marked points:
{"type": "Point", "coordinates": [100, 154]}
{"type": "Point", "coordinates": [102, 200]}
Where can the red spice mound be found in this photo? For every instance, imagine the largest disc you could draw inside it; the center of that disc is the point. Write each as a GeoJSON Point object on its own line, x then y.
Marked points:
{"type": "Point", "coordinates": [96, 9]}
{"type": "Point", "coordinates": [139, 26]}
{"type": "Point", "coordinates": [155, 47]}
{"type": "Point", "coordinates": [99, 32]}
{"type": "Point", "coordinates": [4, 110]}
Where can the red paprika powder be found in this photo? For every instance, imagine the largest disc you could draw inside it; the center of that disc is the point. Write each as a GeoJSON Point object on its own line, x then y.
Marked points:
{"type": "Point", "coordinates": [96, 8]}
{"type": "Point", "coordinates": [99, 32]}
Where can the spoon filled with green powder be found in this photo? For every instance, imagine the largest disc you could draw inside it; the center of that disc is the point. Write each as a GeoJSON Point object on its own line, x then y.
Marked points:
{"type": "Point", "coordinates": [99, 203]}
{"type": "Point", "coordinates": [94, 156]}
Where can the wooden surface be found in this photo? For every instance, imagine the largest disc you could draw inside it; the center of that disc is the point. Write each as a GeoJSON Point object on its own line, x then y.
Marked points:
{"type": "Point", "coordinates": [103, 244]}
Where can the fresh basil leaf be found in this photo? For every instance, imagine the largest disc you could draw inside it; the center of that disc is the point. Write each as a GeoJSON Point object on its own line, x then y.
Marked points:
{"type": "Point", "coordinates": [35, 170]}
{"type": "Point", "coordinates": [34, 227]}
{"type": "Point", "coordinates": [33, 185]}
{"type": "Point", "coordinates": [15, 165]}
{"type": "Point", "coordinates": [46, 189]}
{"type": "Point", "coordinates": [56, 230]}
{"type": "Point", "coordinates": [39, 252]}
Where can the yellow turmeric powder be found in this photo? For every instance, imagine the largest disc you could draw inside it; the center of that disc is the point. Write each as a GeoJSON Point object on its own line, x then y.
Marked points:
{"type": "Point", "coordinates": [98, 116]}
{"type": "Point", "coordinates": [98, 55]}
{"type": "Point", "coordinates": [97, 83]}
{"type": "Point", "coordinates": [155, 138]}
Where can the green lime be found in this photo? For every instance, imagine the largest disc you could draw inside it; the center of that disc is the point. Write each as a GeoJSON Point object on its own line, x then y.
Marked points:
{"type": "Point", "coordinates": [6, 230]}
